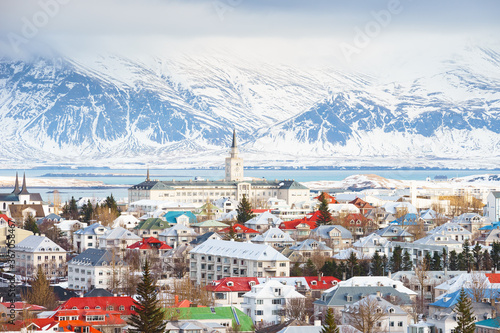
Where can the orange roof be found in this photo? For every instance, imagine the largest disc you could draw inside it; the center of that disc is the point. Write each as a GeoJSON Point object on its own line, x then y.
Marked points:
{"type": "Point", "coordinates": [329, 198]}
{"type": "Point", "coordinates": [260, 211]}
{"type": "Point", "coordinates": [493, 277]}
{"type": "Point", "coordinates": [18, 306]}
{"type": "Point", "coordinates": [239, 229]}
{"type": "Point", "coordinates": [103, 302]}
{"type": "Point", "coordinates": [292, 225]}
{"type": "Point", "coordinates": [360, 203]}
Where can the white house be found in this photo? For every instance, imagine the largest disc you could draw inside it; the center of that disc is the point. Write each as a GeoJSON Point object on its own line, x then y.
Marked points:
{"type": "Point", "coordinates": [95, 268]}
{"type": "Point", "coordinates": [118, 238]}
{"type": "Point", "coordinates": [263, 222]}
{"type": "Point", "coordinates": [179, 234]}
{"type": "Point", "coordinates": [372, 243]}
{"type": "Point", "coordinates": [265, 302]}
{"type": "Point", "coordinates": [35, 251]}
{"type": "Point", "coordinates": [275, 237]}
{"type": "Point", "coordinates": [126, 221]}
{"type": "Point", "coordinates": [88, 238]}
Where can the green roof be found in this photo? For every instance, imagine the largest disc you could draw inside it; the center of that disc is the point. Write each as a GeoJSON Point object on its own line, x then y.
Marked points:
{"type": "Point", "coordinates": [492, 322]}
{"type": "Point", "coordinates": [152, 223]}
{"type": "Point", "coordinates": [210, 223]}
{"type": "Point", "coordinates": [222, 312]}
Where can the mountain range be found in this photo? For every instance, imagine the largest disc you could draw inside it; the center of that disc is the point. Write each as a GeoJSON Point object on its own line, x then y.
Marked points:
{"type": "Point", "coordinates": [180, 112]}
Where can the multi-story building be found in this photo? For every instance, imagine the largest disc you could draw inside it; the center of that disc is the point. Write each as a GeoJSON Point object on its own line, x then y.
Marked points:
{"type": "Point", "coordinates": [266, 302]}
{"type": "Point", "coordinates": [88, 238]}
{"type": "Point", "coordinates": [35, 251]}
{"type": "Point", "coordinates": [217, 259]}
{"type": "Point", "coordinates": [95, 268]}
{"type": "Point", "coordinates": [118, 238]}
{"type": "Point", "coordinates": [233, 186]}
{"type": "Point", "coordinates": [493, 206]}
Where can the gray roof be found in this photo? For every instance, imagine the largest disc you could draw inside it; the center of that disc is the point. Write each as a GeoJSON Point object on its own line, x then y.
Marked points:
{"type": "Point", "coordinates": [307, 245]}
{"type": "Point", "coordinates": [338, 296]}
{"type": "Point", "coordinates": [323, 230]}
{"type": "Point", "coordinates": [96, 257]}
{"type": "Point", "coordinates": [38, 244]}
{"type": "Point", "coordinates": [239, 250]}
{"type": "Point", "coordinates": [90, 230]}
{"type": "Point", "coordinates": [98, 292]}
{"type": "Point", "coordinates": [201, 238]}
{"type": "Point", "coordinates": [120, 233]}
{"type": "Point", "coordinates": [393, 231]}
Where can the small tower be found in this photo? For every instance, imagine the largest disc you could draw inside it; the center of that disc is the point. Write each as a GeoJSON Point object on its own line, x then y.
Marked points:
{"type": "Point", "coordinates": [234, 164]}
{"type": "Point", "coordinates": [24, 195]}
{"type": "Point", "coordinates": [147, 176]}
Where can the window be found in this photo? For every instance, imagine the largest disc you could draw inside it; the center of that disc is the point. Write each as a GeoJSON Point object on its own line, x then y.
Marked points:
{"type": "Point", "coordinates": [282, 264]}
{"type": "Point", "coordinates": [259, 312]}
{"type": "Point", "coordinates": [241, 294]}
{"type": "Point", "coordinates": [121, 308]}
{"type": "Point", "coordinates": [391, 324]}
{"type": "Point", "coordinates": [400, 323]}
{"type": "Point", "coordinates": [260, 301]}
{"type": "Point", "coordinates": [277, 301]}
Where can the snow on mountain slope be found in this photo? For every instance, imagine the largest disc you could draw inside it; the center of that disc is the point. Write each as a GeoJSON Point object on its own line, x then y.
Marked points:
{"type": "Point", "coordinates": [182, 109]}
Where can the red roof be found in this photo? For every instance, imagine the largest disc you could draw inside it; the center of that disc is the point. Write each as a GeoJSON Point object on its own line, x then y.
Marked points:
{"type": "Point", "coordinates": [260, 211]}
{"type": "Point", "coordinates": [46, 323]}
{"type": "Point", "coordinates": [240, 229]}
{"type": "Point", "coordinates": [19, 306]}
{"type": "Point", "coordinates": [292, 225]}
{"type": "Point", "coordinates": [110, 317]}
{"type": "Point", "coordinates": [356, 216]}
{"type": "Point", "coordinates": [232, 284]}
{"type": "Point", "coordinates": [493, 277]}
{"type": "Point", "coordinates": [325, 283]}
{"type": "Point", "coordinates": [149, 243]}
{"type": "Point", "coordinates": [102, 302]}
{"type": "Point", "coordinates": [329, 198]}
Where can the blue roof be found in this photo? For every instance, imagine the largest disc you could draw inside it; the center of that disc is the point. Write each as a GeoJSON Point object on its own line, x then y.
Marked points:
{"type": "Point", "coordinates": [492, 322]}
{"type": "Point", "coordinates": [408, 219]}
{"type": "Point", "coordinates": [90, 230]}
{"type": "Point", "coordinates": [171, 217]}
{"type": "Point", "coordinates": [494, 225]}
{"type": "Point", "coordinates": [449, 300]}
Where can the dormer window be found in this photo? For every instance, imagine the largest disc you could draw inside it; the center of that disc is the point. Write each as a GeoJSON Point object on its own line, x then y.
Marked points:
{"type": "Point", "coordinates": [314, 283]}
{"type": "Point", "coordinates": [230, 284]}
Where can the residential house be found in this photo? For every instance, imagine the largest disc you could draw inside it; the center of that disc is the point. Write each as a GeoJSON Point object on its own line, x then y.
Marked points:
{"type": "Point", "coordinates": [230, 290]}
{"type": "Point", "coordinates": [335, 236]}
{"type": "Point", "coordinates": [491, 325]}
{"type": "Point", "coordinates": [395, 233]}
{"type": "Point", "coordinates": [364, 207]}
{"type": "Point", "coordinates": [467, 280]}
{"type": "Point", "coordinates": [379, 281]}
{"type": "Point", "coordinates": [176, 261]}
{"type": "Point", "coordinates": [91, 320]}
{"type": "Point", "coordinates": [8, 228]}
{"type": "Point", "coordinates": [303, 251]}
{"type": "Point", "coordinates": [183, 217]}
{"type": "Point", "coordinates": [208, 226]}
{"type": "Point", "coordinates": [471, 221]}
{"type": "Point", "coordinates": [380, 217]}
{"type": "Point", "coordinates": [452, 231]}
{"type": "Point", "coordinates": [226, 204]}
{"type": "Point", "coordinates": [194, 326]}
{"type": "Point", "coordinates": [298, 229]}
{"type": "Point", "coordinates": [68, 227]}
{"type": "Point", "coordinates": [204, 237]}
{"type": "Point", "coordinates": [95, 268]}
{"type": "Point", "coordinates": [275, 237]}
{"type": "Point", "coordinates": [208, 211]}
{"type": "Point", "coordinates": [124, 305]}
{"type": "Point", "coordinates": [358, 225]}
{"type": "Point", "coordinates": [117, 239]}
{"type": "Point", "coordinates": [242, 232]}
{"type": "Point", "coordinates": [149, 247]}
{"type": "Point", "coordinates": [215, 259]}
{"type": "Point", "coordinates": [263, 221]}
{"type": "Point", "coordinates": [372, 243]}
{"type": "Point", "coordinates": [395, 320]}
{"type": "Point", "coordinates": [152, 227]}
{"type": "Point", "coordinates": [265, 302]}
{"type": "Point", "coordinates": [432, 218]}
{"type": "Point", "coordinates": [489, 237]}
{"type": "Point", "coordinates": [127, 221]}
{"type": "Point", "coordinates": [88, 237]}
{"type": "Point", "coordinates": [179, 234]}
{"type": "Point", "coordinates": [399, 208]}
{"type": "Point", "coordinates": [309, 286]}
{"type": "Point", "coordinates": [39, 251]}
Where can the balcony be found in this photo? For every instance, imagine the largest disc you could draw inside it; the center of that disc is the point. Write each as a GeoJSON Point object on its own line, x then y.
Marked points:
{"type": "Point", "coordinates": [270, 268]}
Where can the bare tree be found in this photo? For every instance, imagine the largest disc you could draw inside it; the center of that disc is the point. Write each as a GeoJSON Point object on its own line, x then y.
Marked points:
{"type": "Point", "coordinates": [478, 286]}
{"type": "Point", "coordinates": [298, 308]}
{"type": "Point", "coordinates": [185, 289]}
{"type": "Point", "coordinates": [365, 315]}
{"type": "Point", "coordinates": [421, 276]}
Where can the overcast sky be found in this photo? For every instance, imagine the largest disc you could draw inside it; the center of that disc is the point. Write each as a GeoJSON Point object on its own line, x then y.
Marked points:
{"type": "Point", "coordinates": [345, 30]}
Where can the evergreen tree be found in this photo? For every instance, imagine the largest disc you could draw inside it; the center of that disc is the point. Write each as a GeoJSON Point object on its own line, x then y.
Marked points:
{"type": "Point", "coordinates": [324, 217]}
{"type": "Point", "coordinates": [427, 260]}
{"type": "Point", "coordinates": [407, 262]}
{"type": "Point", "coordinates": [41, 293]}
{"type": "Point", "coordinates": [342, 270]}
{"type": "Point", "coordinates": [310, 269]}
{"type": "Point", "coordinates": [466, 256]}
{"type": "Point", "coordinates": [244, 211]}
{"type": "Point", "coordinates": [486, 261]}
{"type": "Point", "coordinates": [330, 326]}
{"type": "Point", "coordinates": [330, 268]}
{"type": "Point", "coordinates": [396, 261]}
{"type": "Point", "coordinates": [477, 256]}
{"type": "Point", "coordinates": [462, 265]}
{"type": "Point", "coordinates": [296, 270]}
{"type": "Point", "coordinates": [445, 258]}
{"type": "Point", "coordinates": [111, 203]}
{"type": "Point", "coordinates": [377, 266]}
{"type": "Point", "coordinates": [495, 255]}
{"type": "Point", "coordinates": [87, 211]}
{"type": "Point", "coordinates": [385, 261]}
{"type": "Point", "coordinates": [149, 313]}
{"type": "Point", "coordinates": [352, 263]}
{"type": "Point", "coordinates": [436, 262]}
{"type": "Point", "coordinates": [453, 261]}
{"type": "Point", "coordinates": [466, 319]}
{"type": "Point", "coordinates": [30, 224]}
{"type": "Point", "coordinates": [70, 210]}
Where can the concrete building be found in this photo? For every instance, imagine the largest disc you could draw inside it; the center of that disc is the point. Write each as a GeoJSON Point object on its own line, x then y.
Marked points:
{"type": "Point", "coordinates": [35, 251]}
{"type": "Point", "coordinates": [217, 259]}
{"type": "Point", "coordinates": [88, 238]}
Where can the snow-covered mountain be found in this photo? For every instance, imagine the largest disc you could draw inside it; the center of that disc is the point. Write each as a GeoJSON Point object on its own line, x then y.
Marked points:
{"type": "Point", "coordinates": [181, 112]}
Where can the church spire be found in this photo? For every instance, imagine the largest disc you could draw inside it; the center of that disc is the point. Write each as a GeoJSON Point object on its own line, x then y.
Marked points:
{"type": "Point", "coordinates": [24, 190]}
{"type": "Point", "coordinates": [234, 145]}
{"type": "Point", "coordinates": [147, 175]}
{"type": "Point", "coordinates": [16, 186]}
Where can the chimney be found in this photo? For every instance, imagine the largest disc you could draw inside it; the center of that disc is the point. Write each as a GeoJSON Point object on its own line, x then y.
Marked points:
{"type": "Point", "coordinates": [319, 276]}
{"type": "Point", "coordinates": [176, 299]}
{"type": "Point", "coordinates": [389, 275]}
{"type": "Point", "coordinates": [343, 276]}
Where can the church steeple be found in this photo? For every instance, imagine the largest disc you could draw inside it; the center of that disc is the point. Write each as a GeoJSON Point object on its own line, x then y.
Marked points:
{"type": "Point", "coordinates": [24, 190]}
{"type": "Point", "coordinates": [234, 164]}
{"type": "Point", "coordinates": [16, 186]}
{"type": "Point", "coordinates": [147, 176]}
{"type": "Point", "coordinates": [234, 145]}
